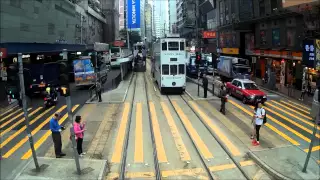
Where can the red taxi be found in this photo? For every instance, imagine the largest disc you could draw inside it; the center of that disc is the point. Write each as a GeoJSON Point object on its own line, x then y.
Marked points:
{"type": "Point", "coordinates": [246, 90]}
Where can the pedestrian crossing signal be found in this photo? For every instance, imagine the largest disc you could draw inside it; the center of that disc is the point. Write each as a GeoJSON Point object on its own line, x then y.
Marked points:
{"type": "Point", "coordinates": [65, 91]}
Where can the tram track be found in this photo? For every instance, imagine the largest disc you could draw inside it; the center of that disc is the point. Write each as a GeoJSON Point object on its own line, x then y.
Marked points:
{"type": "Point", "coordinates": [211, 176]}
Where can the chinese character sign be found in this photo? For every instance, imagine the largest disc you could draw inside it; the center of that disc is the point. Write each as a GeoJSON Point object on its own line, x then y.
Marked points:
{"type": "Point", "coordinates": [309, 53]}
{"type": "Point", "coordinates": [133, 13]}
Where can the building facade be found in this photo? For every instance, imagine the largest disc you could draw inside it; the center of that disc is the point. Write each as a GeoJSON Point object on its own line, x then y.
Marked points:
{"type": "Point", "coordinates": [161, 18]}
{"type": "Point", "coordinates": [148, 20]}
{"type": "Point", "coordinates": [267, 32]}
{"type": "Point", "coordinates": [122, 15]}
{"type": "Point", "coordinates": [172, 15]}
{"type": "Point", "coordinates": [53, 21]}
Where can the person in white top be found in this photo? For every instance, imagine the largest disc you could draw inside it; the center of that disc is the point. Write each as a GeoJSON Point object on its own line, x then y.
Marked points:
{"type": "Point", "coordinates": [259, 116]}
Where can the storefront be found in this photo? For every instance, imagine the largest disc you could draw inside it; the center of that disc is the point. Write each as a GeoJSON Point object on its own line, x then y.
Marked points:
{"type": "Point", "coordinates": [285, 64]}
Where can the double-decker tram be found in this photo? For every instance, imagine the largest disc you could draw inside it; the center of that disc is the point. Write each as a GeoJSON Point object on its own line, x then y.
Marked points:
{"type": "Point", "coordinates": [169, 63]}
{"type": "Point", "coordinates": [139, 62]}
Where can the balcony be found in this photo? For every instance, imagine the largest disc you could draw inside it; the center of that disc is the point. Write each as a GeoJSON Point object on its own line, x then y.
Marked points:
{"type": "Point", "coordinates": [207, 5]}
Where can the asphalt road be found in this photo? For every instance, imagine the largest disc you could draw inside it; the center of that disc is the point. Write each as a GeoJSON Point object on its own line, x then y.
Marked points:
{"type": "Point", "coordinates": [15, 148]}
{"type": "Point", "coordinates": [287, 117]}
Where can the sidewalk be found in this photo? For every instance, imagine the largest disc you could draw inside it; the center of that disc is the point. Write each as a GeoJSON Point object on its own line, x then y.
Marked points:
{"type": "Point", "coordinates": [117, 95]}
{"type": "Point", "coordinates": [281, 164]}
{"type": "Point", "coordinates": [4, 106]}
{"type": "Point", "coordinates": [286, 92]}
{"type": "Point", "coordinates": [192, 91]}
{"type": "Point", "coordinates": [52, 168]}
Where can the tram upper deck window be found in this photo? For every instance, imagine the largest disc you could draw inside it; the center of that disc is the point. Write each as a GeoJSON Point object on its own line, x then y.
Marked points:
{"type": "Point", "coordinates": [181, 46]}
{"type": "Point", "coordinates": [173, 46]}
{"type": "Point", "coordinates": [164, 46]}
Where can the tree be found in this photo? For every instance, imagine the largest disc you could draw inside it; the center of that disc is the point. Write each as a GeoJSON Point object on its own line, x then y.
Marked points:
{"type": "Point", "coordinates": [134, 36]}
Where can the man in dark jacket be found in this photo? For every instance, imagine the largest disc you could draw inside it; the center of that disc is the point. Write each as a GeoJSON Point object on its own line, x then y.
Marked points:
{"type": "Point", "coordinates": [205, 85]}
{"type": "Point", "coordinates": [223, 97]}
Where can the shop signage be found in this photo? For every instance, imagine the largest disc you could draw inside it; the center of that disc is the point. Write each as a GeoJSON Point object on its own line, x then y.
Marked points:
{"type": "Point", "coordinates": [133, 13]}
{"type": "Point", "coordinates": [118, 43]}
{"type": "Point", "coordinates": [309, 53]}
{"type": "Point", "coordinates": [208, 34]}
{"type": "Point", "coordinates": [234, 51]}
{"type": "Point", "coordinates": [3, 52]}
{"type": "Point", "coordinates": [279, 54]}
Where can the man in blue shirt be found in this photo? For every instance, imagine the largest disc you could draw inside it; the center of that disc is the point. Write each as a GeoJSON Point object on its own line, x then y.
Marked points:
{"type": "Point", "coordinates": [56, 136]}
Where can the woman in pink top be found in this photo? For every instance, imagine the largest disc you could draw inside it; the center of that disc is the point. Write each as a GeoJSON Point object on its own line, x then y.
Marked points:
{"type": "Point", "coordinates": [79, 132]}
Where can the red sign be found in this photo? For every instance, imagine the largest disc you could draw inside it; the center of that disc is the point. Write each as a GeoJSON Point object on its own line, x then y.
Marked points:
{"type": "Point", "coordinates": [118, 43]}
{"type": "Point", "coordinates": [3, 52]}
{"type": "Point", "coordinates": [208, 34]}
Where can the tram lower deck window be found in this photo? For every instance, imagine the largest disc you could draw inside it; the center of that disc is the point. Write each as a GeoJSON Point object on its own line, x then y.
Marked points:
{"type": "Point", "coordinates": [165, 69]}
{"type": "Point", "coordinates": [181, 68]}
{"type": "Point", "coordinates": [173, 70]}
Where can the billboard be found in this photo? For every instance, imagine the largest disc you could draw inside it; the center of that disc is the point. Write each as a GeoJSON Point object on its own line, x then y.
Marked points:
{"type": "Point", "coordinates": [133, 14]}
{"type": "Point", "coordinates": [83, 72]}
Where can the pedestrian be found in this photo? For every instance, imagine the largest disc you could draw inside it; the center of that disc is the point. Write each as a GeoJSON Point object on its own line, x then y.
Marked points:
{"type": "Point", "coordinates": [259, 116]}
{"type": "Point", "coordinates": [253, 133]}
{"type": "Point", "coordinates": [79, 128]}
{"type": "Point", "coordinates": [56, 135]}
{"type": "Point", "coordinates": [205, 85]}
{"type": "Point", "coordinates": [144, 54]}
{"type": "Point", "coordinates": [223, 97]}
{"type": "Point", "coordinates": [98, 91]}
{"type": "Point", "coordinates": [266, 77]}
{"type": "Point", "coordinates": [303, 92]}
{"type": "Point", "coordinates": [309, 87]}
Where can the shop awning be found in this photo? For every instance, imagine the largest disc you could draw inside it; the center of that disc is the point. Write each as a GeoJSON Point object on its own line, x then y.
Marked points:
{"type": "Point", "coordinates": [27, 48]}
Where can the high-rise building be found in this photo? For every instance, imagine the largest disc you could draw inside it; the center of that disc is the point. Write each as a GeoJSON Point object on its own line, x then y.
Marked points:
{"type": "Point", "coordinates": [122, 8]}
{"type": "Point", "coordinates": [172, 15]}
{"type": "Point", "coordinates": [148, 20]}
{"type": "Point", "coordinates": [161, 17]}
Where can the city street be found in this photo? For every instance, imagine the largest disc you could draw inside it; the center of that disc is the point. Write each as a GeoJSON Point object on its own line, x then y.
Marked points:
{"type": "Point", "coordinates": [15, 148]}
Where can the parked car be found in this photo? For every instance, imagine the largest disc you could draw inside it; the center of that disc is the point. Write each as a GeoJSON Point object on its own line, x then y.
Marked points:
{"type": "Point", "coordinates": [246, 90]}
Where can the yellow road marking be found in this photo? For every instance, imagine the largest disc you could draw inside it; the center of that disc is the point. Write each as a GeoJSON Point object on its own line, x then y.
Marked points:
{"type": "Point", "coordinates": [198, 173]}
{"type": "Point", "coordinates": [24, 128]}
{"type": "Point", "coordinates": [28, 154]}
{"type": "Point", "coordinates": [258, 175]}
{"type": "Point", "coordinates": [267, 124]}
{"type": "Point", "coordinates": [184, 154]}
{"type": "Point", "coordinates": [16, 117]}
{"type": "Point", "coordinates": [314, 148]}
{"type": "Point", "coordinates": [193, 133]}
{"type": "Point", "coordinates": [234, 150]}
{"type": "Point", "coordinates": [157, 134]}
{"type": "Point", "coordinates": [288, 104]}
{"type": "Point", "coordinates": [7, 116]}
{"type": "Point", "coordinates": [117, 152]}
{"type": "Point", "coordinates": [300, 105]}
{"type": "Point", "coordinates": [25, 139]}
{"type": "Point", "coordinates": [138, 145]}
{"type": "Point", "coordinates": [318, 161]}
{"type": "Point", "coordinates": [291, 121]}
{"type": "Point", "coordinates": [285, 126]}
{"type": "Point", "coordinates": [297, 112]}
{"type": "Point", "coordinates": [7, 111]}
{"type": "Point", "coordinates": [18, 122]}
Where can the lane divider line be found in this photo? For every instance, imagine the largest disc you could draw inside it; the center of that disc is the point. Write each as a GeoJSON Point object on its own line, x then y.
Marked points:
{"type": "Point", "coordinates": [233, 149]}
{"type": "Point", "coordinates": [138, 145]}
{"type": "Point", "coordinates": [28, 154]}
{"type": "Point", "coordinates": [10, 138]}
{"type": "Point", "coordinates": [183, 152]}
{"type": "Point", "coordinates": [18, 122]}
{"type": "Point", "coordinates": [162, 157]}
{"type": "Point", "coordinates": [25, 139]}
{"type": "Point", "coordinates": [117, 152]}
{"type": "Point", "coordinates": [302, 106]}
{"type": "Point", "coordinates": [292, 141]}
{"type": "Point", "coordinates": [16, 117]}
{"type": "Point", "coordinates": [193, 133]}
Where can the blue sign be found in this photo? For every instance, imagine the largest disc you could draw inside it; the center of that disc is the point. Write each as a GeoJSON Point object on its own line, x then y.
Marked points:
{"type": "Point", "coordinates": [133, 14]}
{"type": "Point", "coordinates": [309, 53]}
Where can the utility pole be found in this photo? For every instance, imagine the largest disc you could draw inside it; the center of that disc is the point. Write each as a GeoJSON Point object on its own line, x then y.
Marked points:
{"type": "Point", "coordinates": [197, 41]}
{"type": "Point", "coordinates": [66, 92]}
{"type": "Point", "coordinates": [25, 110]}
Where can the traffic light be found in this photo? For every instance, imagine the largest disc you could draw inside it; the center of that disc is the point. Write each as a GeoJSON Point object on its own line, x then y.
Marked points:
{"type": "Point", "coordinates": [198, 58]}
{"type": "Point", "coordinates": [13, 86]}
{"type": "Point", "coordinates": [64, 91]}
{"type": "Point", "coordinates": [64, 78]}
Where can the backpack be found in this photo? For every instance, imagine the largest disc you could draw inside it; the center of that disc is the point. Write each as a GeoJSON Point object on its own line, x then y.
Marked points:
{"type": "Point", "coordinates": [265, 117]}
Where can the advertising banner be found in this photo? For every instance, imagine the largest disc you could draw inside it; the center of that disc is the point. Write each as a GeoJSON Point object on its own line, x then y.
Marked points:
{"type": "Point", "coordinates": [83, 72]}
{"type": "Point", "coordinates": [317, 63]}
{"type": "Point", "coordinates": [309, 53]}
{"type": "Point", "coordinates": [133, 14]}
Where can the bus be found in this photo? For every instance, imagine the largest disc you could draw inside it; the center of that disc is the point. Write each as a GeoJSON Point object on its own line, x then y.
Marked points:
{"type": "Point", "coordinates": [169, 64]}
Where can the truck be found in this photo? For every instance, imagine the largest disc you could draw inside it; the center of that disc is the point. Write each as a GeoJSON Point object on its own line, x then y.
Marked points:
{"type": "Point", "coordinates": [232, 67]}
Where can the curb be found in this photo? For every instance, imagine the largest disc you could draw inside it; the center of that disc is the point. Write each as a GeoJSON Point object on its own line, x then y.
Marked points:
{"type": "Point", "coordinates": [13, 105]}
{"type": "Point", "coordinates": [103, 173]}
{"type": "Point", "coordinates": [266, 167]}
